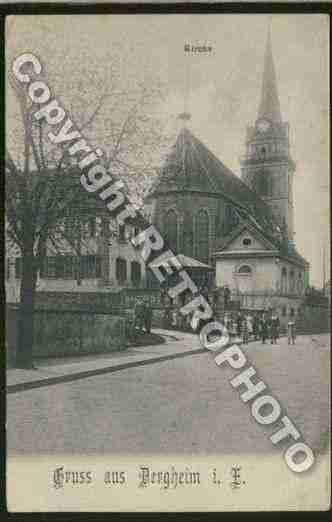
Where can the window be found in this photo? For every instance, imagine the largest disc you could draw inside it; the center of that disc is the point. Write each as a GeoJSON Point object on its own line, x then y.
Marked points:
{"type": "Point", "coordinates": [135, 273]}
{"type": "Point", "coordinates": [292, 281]}
{"type": "Point", "coordinates": [300, 284]}
{"type": "Point", "coordinates": [121, 270]}
{"type": "Point", "coordinates": [92, 227]}
{"type": "Point", "coordinates": [284, 280]}
{"type": "Point", "coordinates": [70, 267]}
{"type": "Point", "coordinates": [292, 312]}
{"type": "Point", "coordinates": [68, 226]}
{"type": "Point", "coordinates": [284, 311]}
{"type": "Point", "coordinates": [202, 236]}
{"type": "Point", "coordinates": [18, 267]}
{"type": "Point", "coordinates": [7, 269]}
{"type": "Point", "coordinates": [171, 229]}
{"type": "Point", "coordinates": [48, 268]}
{"type": "Point", "coordinates": [246, 241]}
{"type": "Point", "coordinates": [90, 267]}
{"type": "Point", "coordinates": [245, 270]}
{"type": "Point", "coordinates": [122, 233]}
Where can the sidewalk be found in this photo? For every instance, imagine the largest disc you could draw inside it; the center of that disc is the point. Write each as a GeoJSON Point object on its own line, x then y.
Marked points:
{"type": "Point", "coordinates": [64, 369]}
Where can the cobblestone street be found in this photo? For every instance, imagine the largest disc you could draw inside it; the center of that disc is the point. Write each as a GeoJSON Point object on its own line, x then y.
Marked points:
{"type": "Point", "coordinates": [184, 405]}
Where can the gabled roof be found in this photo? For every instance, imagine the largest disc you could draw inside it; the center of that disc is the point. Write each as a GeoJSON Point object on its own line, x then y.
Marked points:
{"type": "Point", "coordinates": [236, 232]}
{"type": "Point", "coordinates": [191, 166]}
{"type": "Point", "coordinates": [284, 249]}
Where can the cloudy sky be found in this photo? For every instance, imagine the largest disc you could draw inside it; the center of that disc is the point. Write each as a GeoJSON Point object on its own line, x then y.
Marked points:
{"type": "Point", "coordinates": [221, 89]}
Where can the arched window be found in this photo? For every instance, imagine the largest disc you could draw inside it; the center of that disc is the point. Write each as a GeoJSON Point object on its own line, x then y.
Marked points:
{"type": "Point", "coordinates": [171, 229]}
{"type": "Point", "coordinates": [284, 280]}
{"type": "Point", "coordinates": [245, 281]}
{"type": "Point", "coordinates": [300, 284]}
{"type": "Point", "coordinates": [245, 270]}
{"type": "Point", "coordinates": [202, 231]}
{"type": "Point", "coordinates": [121, 270]}
{"type": "Point", "coordinates": [135, 273]}
{"type": "Point", "coordinates": [292, 281]}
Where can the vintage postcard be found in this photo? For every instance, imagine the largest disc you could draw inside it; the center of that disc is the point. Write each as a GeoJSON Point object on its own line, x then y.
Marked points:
{"type": "Point", "coordinates": [167, 273]}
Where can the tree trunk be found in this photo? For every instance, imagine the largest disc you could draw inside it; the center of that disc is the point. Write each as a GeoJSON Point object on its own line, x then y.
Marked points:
{"type": "Point", "coordinates": [24, 357]}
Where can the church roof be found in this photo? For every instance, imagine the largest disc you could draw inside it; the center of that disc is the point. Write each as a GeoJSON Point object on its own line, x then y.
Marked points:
{"type": "Point", "coordinates": [188, 262]}
{"type": "Point", "coordinates": [269, 107]}
{"type": "Point", "coordinates": [191, 166]}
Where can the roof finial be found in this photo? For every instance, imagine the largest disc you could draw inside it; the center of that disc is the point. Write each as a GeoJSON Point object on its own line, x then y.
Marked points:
{"type": "Point", "coordinates": [184, 116]}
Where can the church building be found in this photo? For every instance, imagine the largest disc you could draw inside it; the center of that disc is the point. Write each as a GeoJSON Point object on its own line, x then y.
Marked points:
{"type": "Point", "coordinates": [241, 226]}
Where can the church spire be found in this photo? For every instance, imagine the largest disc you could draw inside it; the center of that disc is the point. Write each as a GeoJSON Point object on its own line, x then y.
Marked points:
{"type": "Point", "coordinates": [269, 107]}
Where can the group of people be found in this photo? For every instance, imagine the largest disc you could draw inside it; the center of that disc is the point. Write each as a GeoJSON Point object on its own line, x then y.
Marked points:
{"type": "Point", "coordinates": [248, 326]}
{"type": "Point", "coordinates": [258, 326]}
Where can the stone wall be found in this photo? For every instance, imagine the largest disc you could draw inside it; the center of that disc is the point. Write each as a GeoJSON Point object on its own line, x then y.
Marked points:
{"type": "Point", "coordinates": [68, 333]}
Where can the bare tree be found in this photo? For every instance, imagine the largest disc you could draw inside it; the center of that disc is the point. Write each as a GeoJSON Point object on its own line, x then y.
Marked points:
{"type": "Point", "coordinates": [43, 188]}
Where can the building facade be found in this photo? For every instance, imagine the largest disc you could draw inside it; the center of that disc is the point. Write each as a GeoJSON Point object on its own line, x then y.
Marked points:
{"type": "Point", "coordinates": [107, 262]}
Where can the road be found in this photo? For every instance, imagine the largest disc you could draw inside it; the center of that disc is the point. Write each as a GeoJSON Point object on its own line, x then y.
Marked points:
{"type": "Point", "coordinates": [179, 406]}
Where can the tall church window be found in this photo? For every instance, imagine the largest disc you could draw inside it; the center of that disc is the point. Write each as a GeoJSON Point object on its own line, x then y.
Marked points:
{"type": "Point", "coordinates": [121, 270]}
{"type": "Point", "coordinates": [135, 273]}
{"type": "Point", "coordinates": [171, 229]}
{"type": "Point", "coordinates": [202, 236]}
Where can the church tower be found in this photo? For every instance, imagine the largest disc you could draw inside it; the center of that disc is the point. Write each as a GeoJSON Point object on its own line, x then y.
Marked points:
{"type": "Point", "coordinates": [267, 166]}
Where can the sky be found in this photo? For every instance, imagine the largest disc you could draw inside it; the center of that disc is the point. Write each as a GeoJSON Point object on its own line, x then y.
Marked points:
{"type": "Point", "coordinates": [221, 89]}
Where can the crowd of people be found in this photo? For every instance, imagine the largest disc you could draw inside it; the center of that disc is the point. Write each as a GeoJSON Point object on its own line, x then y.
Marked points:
{"type": "Point", "coordinates": [248, 326]}
{"type": "Point", "coordinates": [263, 326]}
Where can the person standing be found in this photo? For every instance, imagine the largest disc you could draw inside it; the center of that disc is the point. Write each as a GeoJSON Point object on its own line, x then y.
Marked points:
{"type": "Point", "coordinates": [291, 331]}
{"type": "Point", "coordinates": [244, 330]}
{"type": "Point", "coordinates": [238, 325]}
{"type": "Point", "coordinates": [249, 320]}
{"type": "Point", "coordinates": [147, 317]}
{"type": "Point", "coordinates": [255, 327]}
{"type": "Point", "coordinates": [278, 327]}
{"type": "Point", "coordinates": [139, 314]}
{"type": "Point", "coordinates": [263, 329]}
{"type": "Point", "coordinates": [274, 328]}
